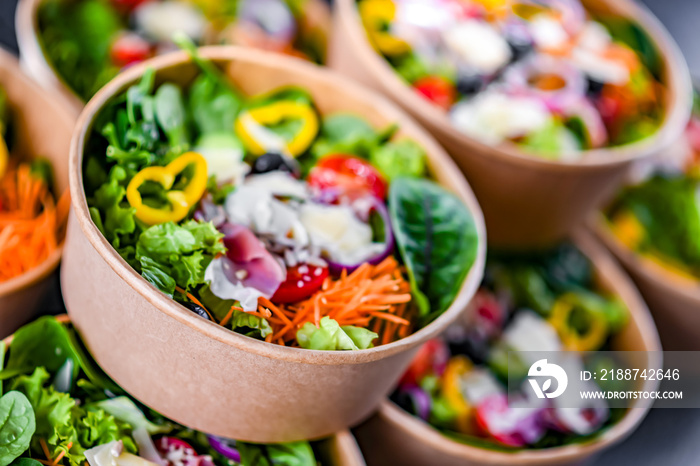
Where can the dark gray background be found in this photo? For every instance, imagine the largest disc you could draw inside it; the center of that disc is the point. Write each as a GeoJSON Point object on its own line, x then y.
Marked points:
{"type": "Point", "coordinates": [667, 436]}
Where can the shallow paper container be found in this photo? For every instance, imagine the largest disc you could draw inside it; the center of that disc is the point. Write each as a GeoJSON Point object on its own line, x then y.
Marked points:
{"type": "Point", "coordinates": [527, 201]}
{"type": "Point", "coordinates": [339, 449]}
{"type": "Point", "coordinates": [37, 65]}
{"type": "Point", "coordinates": [42, 127]}
{"type": "Point", "coordinates": [394, 436]}
{"type": "Point", "coordinates": [193, 370]}
{"type": "Point", "coordinates": [674, 300]}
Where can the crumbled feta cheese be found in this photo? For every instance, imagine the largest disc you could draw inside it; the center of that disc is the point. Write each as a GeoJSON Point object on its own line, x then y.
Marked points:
{"type": "Point", "coordinates": [478, 45]}
{"type": "Point", "coordinates": [493, 117]}
{"type": "Point", "coordinates": [339, 233]}
{"type": "Point", "coordinates": [548, 32]}
{"type": "Point", "coordinates": [160, 20]}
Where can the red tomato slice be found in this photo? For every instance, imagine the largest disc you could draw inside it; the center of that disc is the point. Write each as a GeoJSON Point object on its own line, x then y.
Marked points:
{"type": "Point", "coordinates": [302, 281]}
{"type": "Point", "coordinates": [438, 90]}
{"type": "Point", "coordinates": [353, 176]}
{"type": "Point", "coordinates": [430, 359]}
{"type": "Point", "coordinates": [130, 48]}
{"type": "Point", "coordinates": [127, 5]}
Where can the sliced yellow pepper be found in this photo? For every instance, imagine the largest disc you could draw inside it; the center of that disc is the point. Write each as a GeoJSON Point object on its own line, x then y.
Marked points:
{"type": "Point", "coordinates": [574, 341]}
{"type": "Point", "coordinates": [456, 369]}
{"type": "Point", "coordinates": [376, 14]}
{"type": "Point", "coordinates": [181, 201]}
{"type": "Point", "coordinates": [251, 127]}
{"type": "Point", "coordinates": [628, 229]}
{"type": "Point", "coordinates": [4, 156]}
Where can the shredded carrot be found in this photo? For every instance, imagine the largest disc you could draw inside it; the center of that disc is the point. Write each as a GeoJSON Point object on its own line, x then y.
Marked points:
{"type": "Point", "coordinates": [192, 298]}
{"type": "Point", "coordinates": [32, 225]}
{"type": "Point", "coordinates": [373, 296]}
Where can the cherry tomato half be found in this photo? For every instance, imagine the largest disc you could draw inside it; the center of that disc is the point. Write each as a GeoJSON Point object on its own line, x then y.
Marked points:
{"type": "Point", "coordinates": [430, 359]}
{"type": "Point", "coordinates": [127, 5]}
{"type": "Point", "coordinates": [438, 90]}
{"type": "Point", "coordinates": [353, 176]}
{"type": "Point", "coordinates": [130, 48]}
{"type": "Point", "coordinates": [302, 281]}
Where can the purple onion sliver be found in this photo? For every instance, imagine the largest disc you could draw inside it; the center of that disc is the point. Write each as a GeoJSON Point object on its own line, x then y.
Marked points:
{"type": "Point", "coordinates": [222, 447]}
{"type": "Point", "coordinates": [421, 402]}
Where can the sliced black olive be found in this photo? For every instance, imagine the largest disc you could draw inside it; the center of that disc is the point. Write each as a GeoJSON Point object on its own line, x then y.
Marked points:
{"type": "Point", "coordinates": [273, 161]}
{"type": "Point", "coordinates": [197, 309]}
{"type": "Point", "coordinates": [519, 48]}
{"type": "Point", "coordinates": [475, 348]}
{"type": "Point", "coordinates": [469, 83]}
{"type": "Point", "coordinates": [595, 87]}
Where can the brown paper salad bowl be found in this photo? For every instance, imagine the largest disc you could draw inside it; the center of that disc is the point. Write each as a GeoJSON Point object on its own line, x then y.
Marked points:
{"type": "Point", "coordinates": [189, 368]}
{"type": "Point", "coordinates": [35, 127]}
{"type": "Point", "coordinates": [528, 200]}
{"type": "Point", "coordinates": [74, 47]}
{"type": "Point", "coordinates": [45, 359]}
{"type": "Point", "coordinates": [482, 432]}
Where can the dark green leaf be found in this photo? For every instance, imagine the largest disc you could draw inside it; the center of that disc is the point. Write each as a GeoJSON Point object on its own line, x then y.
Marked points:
{"type": "Point", "coordinates": [436, 236]}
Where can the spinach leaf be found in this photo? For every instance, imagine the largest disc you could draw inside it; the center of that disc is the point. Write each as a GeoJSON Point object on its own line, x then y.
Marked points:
{"type": "Point", "coordinates": [436, 236]}
{"type": "Point", "coordinates": [42, 343]}
{"type": "Point", "coordinates": [17, 426]}
{"type": "Point", "coordinates": [282, 454]}
{"type": "Point", "coordinates": [213, 107]}
{"type": "Point", "coordinates": [25, 462]}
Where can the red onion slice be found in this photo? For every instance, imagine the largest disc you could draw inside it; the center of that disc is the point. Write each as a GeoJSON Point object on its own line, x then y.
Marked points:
{"type": "Point", "coordinates": [224, 448]}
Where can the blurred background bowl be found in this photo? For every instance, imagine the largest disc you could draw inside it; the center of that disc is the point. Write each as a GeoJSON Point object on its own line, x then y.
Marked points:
{"type": "Point", "coordinates": [527, 201]}
{"type": "Point", "coordinates": [43, 128]}
{"type": "Point", "coordinates": [394, 436]}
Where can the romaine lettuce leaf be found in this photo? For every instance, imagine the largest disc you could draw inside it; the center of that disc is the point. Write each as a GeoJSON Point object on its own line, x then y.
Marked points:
{"type": "Point", "coordinates": [331, 336]}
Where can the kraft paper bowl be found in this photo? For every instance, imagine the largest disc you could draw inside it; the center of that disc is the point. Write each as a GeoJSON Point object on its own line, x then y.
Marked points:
{"type": "Point", "coordinates": [43, 128]}
{"type": "Point", "coordinates": [674, 300]}
{"type": "Point", "coordinates": [192, 370]}
{"type": "Point", "coordinates": [393, 434]}
{"type": "Point", "coordinates": [340, 449]}
{"type": "Point", "coordinates": [527, 201]}
{"type": "Point", "coordinates": [38, 66]}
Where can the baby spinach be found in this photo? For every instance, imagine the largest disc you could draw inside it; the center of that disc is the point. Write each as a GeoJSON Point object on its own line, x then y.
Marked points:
{"type": "Point", "coordinates": [288, 454]}
{"type": "Point", "coordinates": [436, 236]}
{"type": "Point", "coordinates": [43, 343]}
{"type": "Point", "coordinates": [17, 425]}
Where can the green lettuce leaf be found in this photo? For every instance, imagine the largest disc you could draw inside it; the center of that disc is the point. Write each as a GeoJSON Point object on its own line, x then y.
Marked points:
{"type": "Point", "coordinates": [241, 322]}
{"type": "Point", "coordinates": [400, 158]}
{"type": "Point", "coordinates": [125, 410]}
{"type": "Point", "coordinates": [171, 254]}
{"type": "Point", "coordinates": [331, 336]}
{"type": "Point", "coordinates": [283, 454]}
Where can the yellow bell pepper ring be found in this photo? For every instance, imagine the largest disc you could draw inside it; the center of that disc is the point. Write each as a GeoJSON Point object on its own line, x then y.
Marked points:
{"type": "Point", "coordinates": [456, 369]}
{"type": "Point", "coordinates": [591, 339]}
{"type": "Point", "coordinates": [376, 14]}
{"type": "Point", "coordinates": [181, 201]}
{"type": "Point", "coordinates": [4, 156]}
{"type": "Point", "coordinates": [251, 127]}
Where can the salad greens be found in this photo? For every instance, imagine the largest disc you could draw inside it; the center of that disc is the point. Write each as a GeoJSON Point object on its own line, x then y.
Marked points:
{"type": "Point", "coordinates": [56, 414]}
{"type": "Point", "coordinates": [263, 216]}
{"type": "Point", "coordinates": [659, 216]}
{"type": "Point", "coordinates": [548, 301]}
{"type": "Point", "coordinates": [88, 42]}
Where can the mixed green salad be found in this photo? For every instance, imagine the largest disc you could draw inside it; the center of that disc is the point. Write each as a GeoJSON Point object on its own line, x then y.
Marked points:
{"type": "Point", "coordinates": [546, 75]}
{"type": "Point", "coordinates": [88, 42]}
{"type": "Point", "coordinates": [58, 408]}
{"type": "Point", "coordinates": [659, 216]}
{"type": "Point", "coordinates": [266, 217]}
{"type": "Point", "coordinates": [547, 302]}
